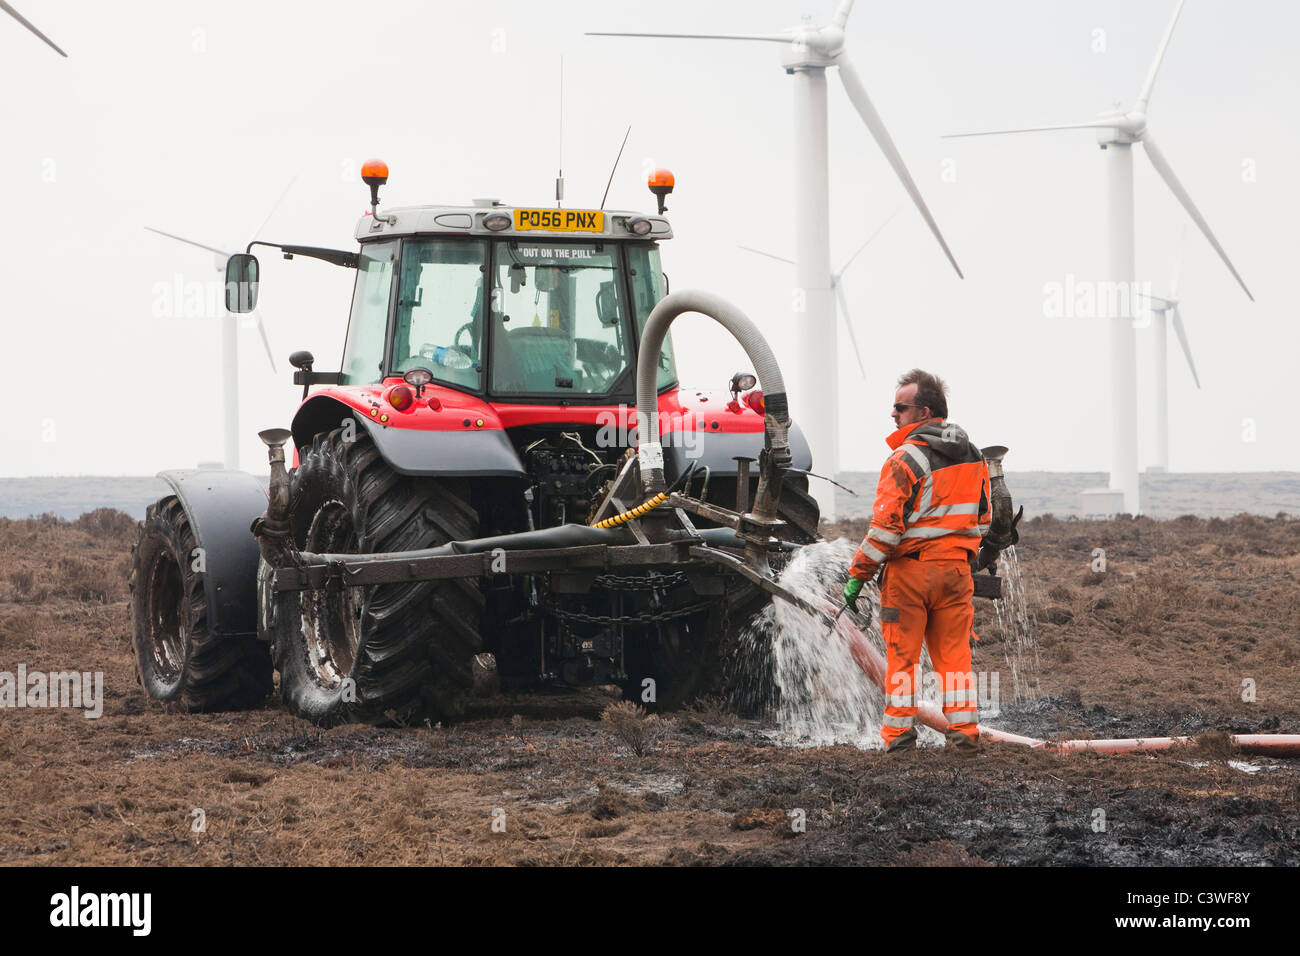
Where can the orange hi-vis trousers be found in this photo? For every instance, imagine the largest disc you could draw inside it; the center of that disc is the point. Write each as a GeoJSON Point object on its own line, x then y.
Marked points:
{"type": "Point", "coordinates": [928, 601]}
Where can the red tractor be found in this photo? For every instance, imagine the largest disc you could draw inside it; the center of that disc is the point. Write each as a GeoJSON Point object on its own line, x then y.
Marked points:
{"type": "Point", "coordinates": [472, 503]}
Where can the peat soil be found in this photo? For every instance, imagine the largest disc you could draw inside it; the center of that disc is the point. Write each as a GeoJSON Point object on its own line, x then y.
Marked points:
{"type": "Point", "coordinates": [1188, 627]}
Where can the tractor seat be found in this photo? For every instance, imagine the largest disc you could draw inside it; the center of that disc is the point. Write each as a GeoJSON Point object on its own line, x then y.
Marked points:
{"type": "Point", "coordinates": [537, 354]}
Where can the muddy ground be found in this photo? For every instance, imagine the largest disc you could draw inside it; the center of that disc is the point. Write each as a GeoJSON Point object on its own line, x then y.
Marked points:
{"type": "Point", "coordinates": [1188, 618]}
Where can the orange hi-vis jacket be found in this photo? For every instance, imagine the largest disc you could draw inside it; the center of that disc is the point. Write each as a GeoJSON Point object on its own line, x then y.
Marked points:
{"type": "Point", "coordinates": [932, 500]}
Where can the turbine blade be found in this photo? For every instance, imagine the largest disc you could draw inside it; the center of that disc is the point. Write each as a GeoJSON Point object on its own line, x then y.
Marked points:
{"type": "Point", "coordinates": [1158, 303]}
{"type": "Point", "coordinates": [842, 13]}
{"type": "Point", "coordinates": [760, 252]}
{"type": "Point", "coordinates": [858, 96]}
{"type": "Point", "coordinates": [764, 37]}
{"type": "Point", "coordinates": [1167, 174]}
{"type": "Point", "coordinates": [849, 261]}
{"type": "Point", "coordinates": [1182, 340]}
{"type": "Point", "coordinates": [1092, 124]}
{"type": "Point", "coordinates": [190, 242]}
{"type": "Point", "coordinates": [30, 26]}
{"type": "Point", "coordinates": [259, 229]}
{"type": "Point", "coordinates": [266, 343]}
{"type": "Point", "coordinates": [1145, 96]}
{"type": "Point", "coordinates": [843, 303]}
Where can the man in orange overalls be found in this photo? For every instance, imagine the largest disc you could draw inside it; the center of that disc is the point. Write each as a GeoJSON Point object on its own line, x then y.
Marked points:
{"type": "Point", "coordinates": [932, 507]}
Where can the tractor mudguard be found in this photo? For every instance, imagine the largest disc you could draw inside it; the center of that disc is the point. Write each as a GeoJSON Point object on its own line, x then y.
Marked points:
{"type": "Point", "coordinates": [467, 451]}
{"type": "Point", "coordinates": [472, 453]}
{"type": "Point", "coordinates": [221, 505]}
{"type": "Point", "coordinates": [719, 450]}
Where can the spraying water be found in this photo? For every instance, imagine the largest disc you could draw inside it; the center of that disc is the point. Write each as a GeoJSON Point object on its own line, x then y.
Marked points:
{"type": "Point", "coordinates": [1018, 627]}
{"type": "Point", "coordinates": [818, 695]}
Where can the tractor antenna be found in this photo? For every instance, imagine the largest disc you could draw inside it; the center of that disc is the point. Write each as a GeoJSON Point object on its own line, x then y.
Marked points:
{"type": "Point", "coordinates": [559, 182]}
{"type": "Point", "coordinates": [615, 169]}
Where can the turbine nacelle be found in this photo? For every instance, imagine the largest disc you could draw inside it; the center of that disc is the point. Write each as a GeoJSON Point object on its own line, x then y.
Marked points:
{"type": "Point", "coordinates": [813, 47]}
{"type": "Point", "coordinates": [1128, 129]}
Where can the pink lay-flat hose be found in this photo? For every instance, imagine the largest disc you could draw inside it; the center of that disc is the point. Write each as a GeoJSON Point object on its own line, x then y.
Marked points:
{"type": "Point", "coordinates": [873, 665]}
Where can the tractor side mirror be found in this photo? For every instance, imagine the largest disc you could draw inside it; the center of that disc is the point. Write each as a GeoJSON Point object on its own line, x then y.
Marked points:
{"type": "Point", "coordinates": [242, 273]}
{"type": "Point", "coordinates": [607, 304]}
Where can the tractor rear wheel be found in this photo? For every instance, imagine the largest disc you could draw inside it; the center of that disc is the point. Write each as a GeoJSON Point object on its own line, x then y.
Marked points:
{"type": "Point", "coordinates": [390, 652]}
{"type": "Point", "coordinates": [178, 660]}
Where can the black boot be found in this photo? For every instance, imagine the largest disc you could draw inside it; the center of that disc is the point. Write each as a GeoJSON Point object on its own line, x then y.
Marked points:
{"type": "Point", "coordinates": [961, 744]}
{"type": "Point", "coordinates": [904, 741]}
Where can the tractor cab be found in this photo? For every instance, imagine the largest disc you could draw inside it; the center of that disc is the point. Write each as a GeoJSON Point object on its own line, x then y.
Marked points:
{"type": "Point", "coordinates": [508, 303]}
{"type": "Point", "coordinates": [493, 305]}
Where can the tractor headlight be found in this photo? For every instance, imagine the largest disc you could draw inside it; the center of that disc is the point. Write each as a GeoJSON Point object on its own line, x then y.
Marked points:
{"type": "Point", "coordinates": [418, 377]}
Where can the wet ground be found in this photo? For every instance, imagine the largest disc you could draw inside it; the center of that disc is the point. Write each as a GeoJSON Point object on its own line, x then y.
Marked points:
{"type": "Point", "coordinates": [1162, 642]}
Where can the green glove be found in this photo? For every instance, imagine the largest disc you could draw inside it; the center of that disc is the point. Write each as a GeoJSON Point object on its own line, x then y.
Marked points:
{"type": "Point", "coordinates": [851, 592]}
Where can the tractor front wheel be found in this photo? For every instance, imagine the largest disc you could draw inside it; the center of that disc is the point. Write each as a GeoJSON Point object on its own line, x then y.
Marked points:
{"type": "Point", "coordinates": [386, 653]}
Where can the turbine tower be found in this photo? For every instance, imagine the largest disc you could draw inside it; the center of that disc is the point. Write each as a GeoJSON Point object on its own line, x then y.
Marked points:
{"type": "Point", "coordinates": [30, 26]}
{"type": "Point", "coordinates": [1117, 131]}
{"type": "Point", "coordinates": [230, 344]}
{"type": "Point", "coordinates": [1165, 310]}
{"type": "Point", "coordinates": [809, 51]}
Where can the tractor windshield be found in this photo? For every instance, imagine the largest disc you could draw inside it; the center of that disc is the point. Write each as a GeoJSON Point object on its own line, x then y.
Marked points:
{"type": "Point", "coordinates": [440, 310]}
{"type": "Point", "coordinates": [558, 318]}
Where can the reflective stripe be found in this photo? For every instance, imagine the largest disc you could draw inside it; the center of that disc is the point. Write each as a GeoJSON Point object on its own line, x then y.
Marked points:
{"type": "Point", "coordinates": [900, 722]}
{"type": "Point", "coordinates": [962, 717]}
{"type": "Point", "coordinates": [960, 696]}
{"type": "Point", "coordinates": [940, 532]}
{"type": "Point", "coordinates": [902, 700]}
{"type": "Point", "coordinates": [871, 552]}
{"type": "Point", "coordinates": [918, 456]}
{"type": "Point", "coordinates": [927, 494]}
{"type": "Point", "coordinates": [942, 510]}
{"type": "Point", "coordinates": [880, 534]}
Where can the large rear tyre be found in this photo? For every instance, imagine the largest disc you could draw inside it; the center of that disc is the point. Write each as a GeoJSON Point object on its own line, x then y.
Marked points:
{"type": "Point", "coordinates": [177, 659]}
{"type": "Point", "coordinates": [396, 653]}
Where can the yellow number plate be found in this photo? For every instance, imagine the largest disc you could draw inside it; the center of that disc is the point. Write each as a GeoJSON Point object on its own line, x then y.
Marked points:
{"type": "Point", "coordinates": [560, 220]}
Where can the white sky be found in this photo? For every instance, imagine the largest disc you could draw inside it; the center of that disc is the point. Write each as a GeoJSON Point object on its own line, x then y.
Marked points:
{"type": "Point", "coordinates": [193, 116]}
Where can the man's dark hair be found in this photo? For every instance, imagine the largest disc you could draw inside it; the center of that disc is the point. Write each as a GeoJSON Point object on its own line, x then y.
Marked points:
{"type": "Point", "coordinates": [930, 391]}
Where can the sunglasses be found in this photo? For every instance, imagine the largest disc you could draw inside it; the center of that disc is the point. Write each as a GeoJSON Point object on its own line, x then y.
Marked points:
{"type": "Point", "coordinates": [899, 406]}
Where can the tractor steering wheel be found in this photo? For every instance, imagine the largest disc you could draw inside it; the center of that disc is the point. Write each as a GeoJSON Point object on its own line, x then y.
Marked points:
{"type": "Point", "coordinates": [456, 339]}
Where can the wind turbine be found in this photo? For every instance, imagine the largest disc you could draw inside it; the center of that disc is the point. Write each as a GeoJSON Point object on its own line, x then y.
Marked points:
{"type": "Point", "coordinates": [837, 287]}
{"type": "Point", "coordinates": [229, 341]}
{"type": "Point", "coordinates": [28, 24]}
{"type": "Point", "coordinates": [1117, 131]}
{"type": "Point", "coordinates": [810, 50]}
{"type": "Point", "coordinates": [1163, 309]}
